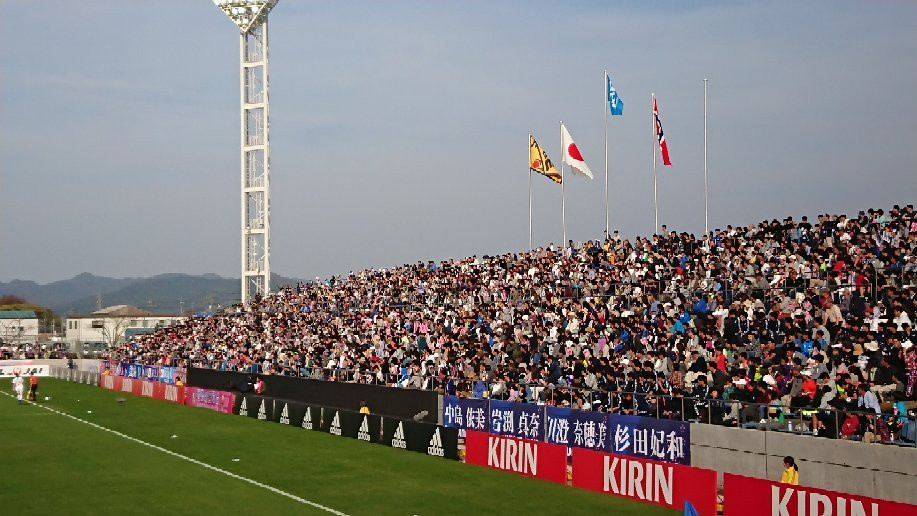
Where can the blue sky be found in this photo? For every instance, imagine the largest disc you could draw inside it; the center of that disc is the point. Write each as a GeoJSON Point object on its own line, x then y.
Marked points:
{"type": "Point", "coordinates": [399, 129]}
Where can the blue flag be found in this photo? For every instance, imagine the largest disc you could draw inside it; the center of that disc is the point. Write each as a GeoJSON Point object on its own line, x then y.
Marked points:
{"type": "Point", "coordinates": [690, 510]}
{"type": "Point", "coordinates": [615, 104]}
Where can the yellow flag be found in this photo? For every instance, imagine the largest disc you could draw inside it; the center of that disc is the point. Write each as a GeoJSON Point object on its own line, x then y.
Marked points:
{"type": "Point", "coordinates": [541, 163]}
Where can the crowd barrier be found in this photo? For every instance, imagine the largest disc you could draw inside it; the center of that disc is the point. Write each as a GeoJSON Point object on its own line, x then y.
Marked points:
{"type": "Point", "coordinates": [153, 373]}
{"type": "Point", "coordinates": [400, 403]}
{"type": "Point", "coordinates": [745, 496]}
{"type": "Point", "coordinates": [145, 388]}
{"type": "Point", "coordinates": [406, 434]}
{"type": "Point", "coordinates": [641, 437]}
{"type": "Point", "coordinates": [728, 413]}
{"type": "Point", "coordinates": [75, 375]}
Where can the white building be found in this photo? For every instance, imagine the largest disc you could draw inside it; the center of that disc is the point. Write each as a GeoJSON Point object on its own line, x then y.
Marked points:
{"type": "Point", "coordinates": [18, 327]}
{"type": "Point", "coordinates": [107, 327]}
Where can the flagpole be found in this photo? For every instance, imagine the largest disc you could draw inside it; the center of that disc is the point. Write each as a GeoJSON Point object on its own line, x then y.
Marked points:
{"type": "Point", "coordinates": [706, 197]}
{"type": "Point", "coordinates": [605, 108]}
{"type": "Point", "coordinates": [655, 193]}
{"type": "Point", "coordinates": [529, 157]}
{"type": "Point", "coordinates": [563, 186]}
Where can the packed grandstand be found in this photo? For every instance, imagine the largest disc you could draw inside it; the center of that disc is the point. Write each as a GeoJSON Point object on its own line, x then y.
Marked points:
{"type": "Point", "coordinates": [747, 326]}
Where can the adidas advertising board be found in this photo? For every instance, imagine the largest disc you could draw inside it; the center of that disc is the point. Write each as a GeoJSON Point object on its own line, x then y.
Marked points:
{"type": "Point", "coordinates": [335, 424]}
{"type": "Point", "coordinates": [254, 406]}
{"type": "Point", "coordinates": [436, 444]}
{"type": "Point", "coordinates": [363, 431]}
{"type": "Point", "coordinates": [288, 412]}
{"type": "Point", "coordinates": [328, 421]}
{"type": "Point", "coordinates": [259, 407]}
{"type": "Point", "coordinates": [420, 437]}
{"type": "Point", "coordinates": [398, 440]}
{"type": "Point", "coordinates": [370, 427]}
{"type": "Point", "coordinates": [307, 420]}
{"type": "Point", "coordinates": [344, 423]}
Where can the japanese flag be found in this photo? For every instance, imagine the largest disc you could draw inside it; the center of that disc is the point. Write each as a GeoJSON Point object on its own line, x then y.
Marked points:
{"type": "Point", "coordinates": [572, 155]}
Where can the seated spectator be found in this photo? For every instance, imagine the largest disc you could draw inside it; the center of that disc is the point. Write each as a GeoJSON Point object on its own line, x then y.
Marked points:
{"type": "Point", "coordinates": [624, 325]}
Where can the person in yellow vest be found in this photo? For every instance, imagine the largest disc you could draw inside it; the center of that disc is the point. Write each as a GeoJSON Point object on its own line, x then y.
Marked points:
{"type": "Point", "coordinates": [33, 388]}
{"type": "Point", "coordinates": [363, 408]}
{"type": "Point", "coordinates": [790, 471]}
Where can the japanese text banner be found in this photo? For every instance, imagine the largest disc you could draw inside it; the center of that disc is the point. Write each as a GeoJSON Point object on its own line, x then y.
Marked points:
{"type": "Point", "coordinates": [577, 428]}
{"type": "Point", "coordinates": [522, 420]}
{"type": "Point", "coordinates": [461, 413]}
{"type": "Point", "coordinates": [649, 438]}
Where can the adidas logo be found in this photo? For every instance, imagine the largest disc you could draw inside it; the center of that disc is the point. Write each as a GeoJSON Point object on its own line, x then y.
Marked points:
{"type": "Point", "coordinates": [243, 408]}
{"type": "Point", "coordinates": [262, 414]}
{"type": "Point", "coordinates": [307, 419]}
{"type": "Point", "coordinates": [285, 416]}
{"type": "Point", "coordinates": [436, 445]}
{"type": "Point", "coordinates": [398, 440]}
{"type": "Point", "coordinates": [363, 432]}
{"type": "Point", "coordinates": [336, 424]}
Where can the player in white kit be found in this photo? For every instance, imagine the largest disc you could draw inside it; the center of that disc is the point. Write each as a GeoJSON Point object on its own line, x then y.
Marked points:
{"type": "Point", "coordinates": [17, 386]}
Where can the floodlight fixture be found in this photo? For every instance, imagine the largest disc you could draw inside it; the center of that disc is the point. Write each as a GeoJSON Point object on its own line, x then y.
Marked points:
{"type": "Point", "coordinates": [251, 18]}
{"type": "Point", "coordinates": [246, 13]}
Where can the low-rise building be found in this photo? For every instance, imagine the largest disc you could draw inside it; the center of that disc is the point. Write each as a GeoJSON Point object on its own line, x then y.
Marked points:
{"type": "Point", "coordinates": [18, 327]}
{"type": "Point", "coordinates": [107, 327]}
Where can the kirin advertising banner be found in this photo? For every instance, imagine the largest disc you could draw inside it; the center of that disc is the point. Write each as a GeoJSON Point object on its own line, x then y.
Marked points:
{"type": "Point", "coordinates": [660, 483]}
{"type": "Point", "coordinates": [744, 496]}
{"type": "Point", "coordinates": [521, 456]}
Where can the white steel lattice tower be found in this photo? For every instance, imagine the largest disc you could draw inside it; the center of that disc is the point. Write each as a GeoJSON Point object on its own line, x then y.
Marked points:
{"type": "Point", "coordinates": [251, 17]}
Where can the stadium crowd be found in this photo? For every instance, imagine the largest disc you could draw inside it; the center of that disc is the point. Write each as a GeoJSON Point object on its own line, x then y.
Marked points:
{"type": "Point", "coordinates": [743, 326]}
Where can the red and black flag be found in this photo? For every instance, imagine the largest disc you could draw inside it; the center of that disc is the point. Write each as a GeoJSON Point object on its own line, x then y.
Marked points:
{"type": "Point", "coordinates": [661, 137]}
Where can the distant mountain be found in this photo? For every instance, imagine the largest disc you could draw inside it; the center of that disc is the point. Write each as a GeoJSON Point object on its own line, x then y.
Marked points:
{"type": "Point", "coordinates": [165, 293]}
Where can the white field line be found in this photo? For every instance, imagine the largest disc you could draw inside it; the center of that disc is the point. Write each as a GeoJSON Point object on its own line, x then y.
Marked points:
{"type": "Point", "coordinates": [195, 461]}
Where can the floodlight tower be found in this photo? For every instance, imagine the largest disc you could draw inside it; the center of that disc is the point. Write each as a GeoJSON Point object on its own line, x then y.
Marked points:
{"type": "Point", "coordinates": [251, 18]}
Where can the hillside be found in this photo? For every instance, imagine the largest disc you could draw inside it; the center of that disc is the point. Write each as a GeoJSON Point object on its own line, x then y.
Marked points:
{"type": "Point", "coordinates": [163, 293]}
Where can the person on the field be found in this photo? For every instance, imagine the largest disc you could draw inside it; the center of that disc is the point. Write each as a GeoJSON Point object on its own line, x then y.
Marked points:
{"type": "Point", "coordinates": [33, 388]}
{"type": "Point", "coordinates": [17, 387]}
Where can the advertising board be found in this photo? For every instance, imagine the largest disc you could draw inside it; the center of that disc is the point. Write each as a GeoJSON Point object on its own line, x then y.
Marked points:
{"type": "Point", "coordinates": [745, 496]}
{"type": "Point", "coordinates": [659, 483]}
{"type": "Point", "coordinates": [521, 456]}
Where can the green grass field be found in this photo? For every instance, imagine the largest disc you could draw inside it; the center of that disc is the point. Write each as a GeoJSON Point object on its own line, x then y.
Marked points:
{"type": "Point", "coordinates": [52, 464]}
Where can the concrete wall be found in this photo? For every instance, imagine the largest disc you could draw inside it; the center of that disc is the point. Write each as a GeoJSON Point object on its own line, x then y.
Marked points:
{"type": "Point", "coordinates": [880, 471]}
